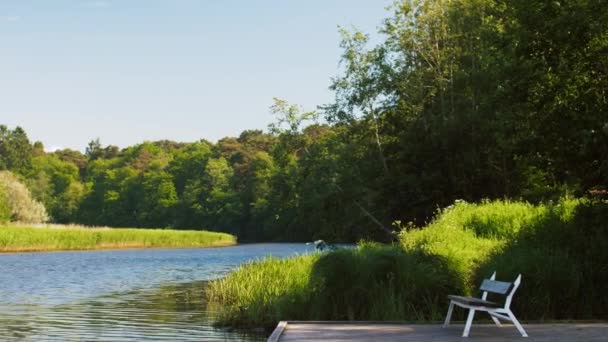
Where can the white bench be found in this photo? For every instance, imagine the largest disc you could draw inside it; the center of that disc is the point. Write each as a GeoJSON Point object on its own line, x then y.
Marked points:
{"type": "Point", "coordinates": [495, 310]}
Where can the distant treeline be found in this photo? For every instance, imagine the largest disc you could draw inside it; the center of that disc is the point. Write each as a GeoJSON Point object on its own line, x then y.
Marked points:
{"type": "Point", "coordinates": [464, 100]}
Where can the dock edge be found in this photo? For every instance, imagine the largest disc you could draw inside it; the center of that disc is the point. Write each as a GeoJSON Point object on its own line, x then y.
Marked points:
{"type": "Point", "coordinates": [277, 332]}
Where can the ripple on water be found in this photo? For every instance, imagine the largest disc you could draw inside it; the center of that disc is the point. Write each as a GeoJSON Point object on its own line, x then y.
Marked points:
{"type": "Point", "coordinates": [143, 295]}
{"type": "Point", "coordinates": [170, 313]}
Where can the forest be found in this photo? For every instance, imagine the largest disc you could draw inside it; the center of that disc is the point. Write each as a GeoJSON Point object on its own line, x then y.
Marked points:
{"type": "Point", "coordinates": [463, 100]}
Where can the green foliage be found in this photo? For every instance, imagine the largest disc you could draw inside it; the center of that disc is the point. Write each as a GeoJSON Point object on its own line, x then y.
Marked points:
{"type": "Point", "coordinates": [188, 163]}
{"type": "Point", "coordinates": [467, 99]}
{"type": "Point", "coordinates": [558, 248]}
{"type": "Point", "coordinates": [23, 208]}
{"type": "Point", "coordinates": [562, 256]}
{"type": "Point", "coordinates": [95, 150]}
{"type": "Point", "coordinates": [456, 96]}
{"type": "Point", "coordinates": [374, 282]}
{"type": "Point", "coordinates": [74, 157]}
{"type": "Point", "coordinates": [371, 282]}
{"type": "Point", "coordinates": [461, 248]}
{"type": "Point", "coordinates": [5, 209]}
{"type": "Point", "coordinates": [20, 239]}
{"type": "Point", "coordinates": [290, 117]}
{"type": "Point", "coordinates": [262, 292]}
{"type": "Point", "coordinates": [490, 219]}
{"type": "Point", "coordinates": [15, 149]}
{"type": "Point", "coordinates": [55, 183]}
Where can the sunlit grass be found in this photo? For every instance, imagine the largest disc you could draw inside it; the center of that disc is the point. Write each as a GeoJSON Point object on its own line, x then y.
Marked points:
{"type": "Point", "coordinates": [260, 292]}
{"type": "Point", "coordinates": [25, 239]}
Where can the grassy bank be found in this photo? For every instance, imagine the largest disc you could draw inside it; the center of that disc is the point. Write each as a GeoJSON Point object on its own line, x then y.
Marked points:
{"type": "Point", "coordinates": [22, 239]}
{"type": "Point", "coordinates": [561, 249]}
{"type": "Point", "coordinates": [263, 290]}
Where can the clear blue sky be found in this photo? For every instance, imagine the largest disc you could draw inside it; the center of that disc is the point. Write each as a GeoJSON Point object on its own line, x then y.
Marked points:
{"type": "Point", "coordinates": [133, 70]}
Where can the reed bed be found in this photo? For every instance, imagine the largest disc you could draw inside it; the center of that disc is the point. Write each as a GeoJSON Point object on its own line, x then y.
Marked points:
{"type": "Point", "coordinates": [260, 292]}
{"type": "Point", "coordinates": [29, 239]}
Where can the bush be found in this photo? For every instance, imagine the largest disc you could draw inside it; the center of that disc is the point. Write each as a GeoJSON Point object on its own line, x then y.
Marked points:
{"type": "Point", "coordinates": [563, 257]}
{"type": "Point", "coordinates": [368, 282]}
{"type": "Point", "coordinates": [21, 205]}
{"type": "Point", "coordinates": [374, 282]}
{"type": "Point", "coordinates": [5, 210]}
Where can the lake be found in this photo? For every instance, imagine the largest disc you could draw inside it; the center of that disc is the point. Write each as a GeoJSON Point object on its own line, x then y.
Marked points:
{"type": "Point", "coordinates": [120, 295]}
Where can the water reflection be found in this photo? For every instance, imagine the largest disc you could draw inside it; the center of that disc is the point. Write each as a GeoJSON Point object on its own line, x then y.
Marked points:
{"type": "Point", "coordinates": [169, 313]}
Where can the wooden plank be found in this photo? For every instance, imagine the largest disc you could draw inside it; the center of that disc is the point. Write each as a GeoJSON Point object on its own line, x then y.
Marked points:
{"type": "Point", "coordinates": [278, 331]}
{"type": "Point", "coordinates": [366, 331]}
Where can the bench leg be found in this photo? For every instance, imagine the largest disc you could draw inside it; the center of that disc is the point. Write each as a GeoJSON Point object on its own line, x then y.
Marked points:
{"type": "Point", "coordinates": [467, 326]}
{"type": "Point", "coordinates": [449, 316]}
{"type": "Point", "coordinates": [496, 321]}
{"type": "Point", "coordinates": [517, 324]}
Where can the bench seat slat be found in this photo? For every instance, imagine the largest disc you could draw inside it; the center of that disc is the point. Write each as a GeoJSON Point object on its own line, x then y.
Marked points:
{"type": "Point", "coordinates": [474, 301]}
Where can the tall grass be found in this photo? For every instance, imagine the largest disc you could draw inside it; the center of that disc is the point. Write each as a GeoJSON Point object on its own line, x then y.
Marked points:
{"type": "Point", "coordinates": [563, 257]}
{"type": "Point", "coordinates": [22, 239]}
{"type": "Point", "coordinates": [260, 293]}
{"type": "Point", "coordinates": [375, 282]}
{"type": "Point", "coordinates": [561, 249]}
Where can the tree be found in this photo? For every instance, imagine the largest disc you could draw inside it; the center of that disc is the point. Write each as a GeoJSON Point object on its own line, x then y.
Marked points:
{"type": "Point", "coordinates": [74, 157]}
{"type": "Point", "coordinates": [94, 150]}
{"type": "Point", "coordinates": [15, 150]}
{"type": "Point", "coordinates": [56, 184]}
{"type": "Point", "coordinates": [255, 197]}
{"type": "Point", "coordinates": [156, 199]}
{"type": "Point", "coordinates": [289, 117]}
{"type": "Point", "coordinates": [189, 163]}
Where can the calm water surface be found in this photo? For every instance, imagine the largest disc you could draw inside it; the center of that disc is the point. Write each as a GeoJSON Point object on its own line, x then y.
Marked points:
{"type": "Point", "coordinates": [129, 295]}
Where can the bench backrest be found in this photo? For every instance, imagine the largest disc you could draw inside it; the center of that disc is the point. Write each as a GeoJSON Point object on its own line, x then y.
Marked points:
{"type": "Point", "coordinates": [500, 287]}
{"type": "Point", "coordinates": [494, 286]}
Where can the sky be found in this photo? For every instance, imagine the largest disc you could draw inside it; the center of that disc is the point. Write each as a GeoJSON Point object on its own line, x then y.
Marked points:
{"type": "Point", "coordinates": [127, 71]}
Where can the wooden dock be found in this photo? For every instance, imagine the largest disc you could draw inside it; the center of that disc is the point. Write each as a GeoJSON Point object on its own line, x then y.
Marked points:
{"type": "Point", "coordinates": [373, 331]}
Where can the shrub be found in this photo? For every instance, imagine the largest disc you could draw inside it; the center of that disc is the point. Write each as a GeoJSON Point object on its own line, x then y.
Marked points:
{"type": "Point", "coordinates": [563, 257]}
{"type": "Point", "coordinates": [5, 210]}
{"type": "Point", "coordinates": [375, 282]}
{"type": "Point", "coordinates": [22, 207]}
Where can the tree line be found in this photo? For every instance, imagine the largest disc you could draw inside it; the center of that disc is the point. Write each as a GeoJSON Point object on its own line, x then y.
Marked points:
{"type": "Point", "coordinates": [467, 99]}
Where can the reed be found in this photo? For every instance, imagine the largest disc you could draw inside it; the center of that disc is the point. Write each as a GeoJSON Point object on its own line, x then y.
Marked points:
{"type": "Point", "coordinates": [28, 239]}
{"type": "Point", "coordinates": [258, 293]}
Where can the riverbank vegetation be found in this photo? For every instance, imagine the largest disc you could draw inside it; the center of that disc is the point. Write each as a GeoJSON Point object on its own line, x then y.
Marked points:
{"type": "Point", "coordinates": [559, 248]}
{"type": "Point", "coordinates": [493, 109]}
{"type": "Point", "coordinates": [27, 239]}
{"type": "Point", "coordinates": [467, 99]}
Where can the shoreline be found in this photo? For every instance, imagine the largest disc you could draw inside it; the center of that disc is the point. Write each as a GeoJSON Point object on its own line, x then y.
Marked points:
{"type": "Point", "coordinates": [117, 248]}
{"type": "Point", "coordinates": [25, 239]}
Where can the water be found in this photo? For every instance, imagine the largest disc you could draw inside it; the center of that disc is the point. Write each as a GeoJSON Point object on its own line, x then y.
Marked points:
{"type": "Point", "coordinates": [129, 295]}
